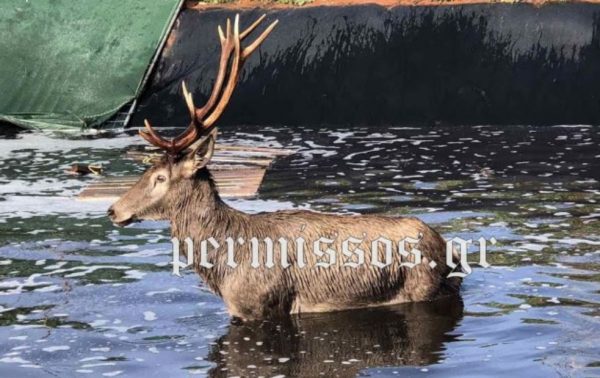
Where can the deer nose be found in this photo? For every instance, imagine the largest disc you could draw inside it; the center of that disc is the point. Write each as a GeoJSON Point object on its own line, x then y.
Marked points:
{"type": "Point", "coordinates": [110, 212]}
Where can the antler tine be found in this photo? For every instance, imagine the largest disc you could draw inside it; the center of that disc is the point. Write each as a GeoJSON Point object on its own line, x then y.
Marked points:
{"type": "Point", "coordinates": [226, 49]}
{"type": "Point", "coordinates": [251, 28]}
{"type": "Point", "coordinates": [236, 65]}
{"type": "Point", "coordinates": [190, 134]}
{"type": "Point", "coordinates": [188, 100]}
{"type": "Point", "coordinates": [231, 80]}
{"type": "Point", "coordinates": [221, 35]}
{"type": "Point", "coordinates": [153, 138]}
{"type": "Point", "coordinates": [250, 48]}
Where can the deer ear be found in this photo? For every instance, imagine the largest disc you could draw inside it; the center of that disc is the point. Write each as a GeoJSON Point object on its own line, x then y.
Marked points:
{"type": "Point", "coordinates": [200, 155]}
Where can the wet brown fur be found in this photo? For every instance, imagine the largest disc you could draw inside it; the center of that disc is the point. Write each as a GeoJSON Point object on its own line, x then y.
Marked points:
{"type": "Point", "coordinates": [194, 208]}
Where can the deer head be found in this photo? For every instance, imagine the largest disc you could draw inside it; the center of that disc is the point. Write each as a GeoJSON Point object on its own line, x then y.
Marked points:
{"type": "Point", "coordinates": [172, 179]}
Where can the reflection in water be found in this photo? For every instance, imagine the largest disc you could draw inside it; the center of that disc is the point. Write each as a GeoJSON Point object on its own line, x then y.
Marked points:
{"type": "Point", "coordinates": [338, 344]}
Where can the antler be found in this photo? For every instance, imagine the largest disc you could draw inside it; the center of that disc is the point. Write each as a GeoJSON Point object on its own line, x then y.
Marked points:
{"type": "Point", "coordinates": [204, 118]}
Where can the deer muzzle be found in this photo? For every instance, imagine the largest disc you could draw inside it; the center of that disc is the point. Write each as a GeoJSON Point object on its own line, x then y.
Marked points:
{"type": "Point", "coordinates": [119, 218]}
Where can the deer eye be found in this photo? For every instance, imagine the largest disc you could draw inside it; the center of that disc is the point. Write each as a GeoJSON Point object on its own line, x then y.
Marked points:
{"type": "Point", "coordinates": [161, 178]}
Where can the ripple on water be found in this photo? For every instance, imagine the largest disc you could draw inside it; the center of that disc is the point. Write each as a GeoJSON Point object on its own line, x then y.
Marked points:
{"type": "Point", "coordinates": [78, 296]}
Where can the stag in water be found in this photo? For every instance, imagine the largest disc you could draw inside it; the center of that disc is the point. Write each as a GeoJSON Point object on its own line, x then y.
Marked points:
{"type": "Point", "coordinates": [179, 188]}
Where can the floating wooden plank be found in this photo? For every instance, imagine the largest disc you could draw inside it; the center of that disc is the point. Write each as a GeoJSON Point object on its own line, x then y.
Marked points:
{"type": "Point", "coordinates": [149, 158]}
{"type": "Point", "coordinates": [230, 183]}
{"type": "Point", "coordinates": [224, 154]}
{"type": "Point", "coordinates": [238, 171]}
{"type": "Point", "coordinates": [269, 151]}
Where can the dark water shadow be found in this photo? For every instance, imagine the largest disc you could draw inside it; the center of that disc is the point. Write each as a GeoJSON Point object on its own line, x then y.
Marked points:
{"type": "Point", "coordinates": [10, 131]}
{"type": "Point", "coordinates": [338, 344]}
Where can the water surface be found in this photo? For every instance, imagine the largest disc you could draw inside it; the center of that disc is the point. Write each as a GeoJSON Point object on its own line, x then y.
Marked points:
{"type": "Point", "coordinates": [79, 296]}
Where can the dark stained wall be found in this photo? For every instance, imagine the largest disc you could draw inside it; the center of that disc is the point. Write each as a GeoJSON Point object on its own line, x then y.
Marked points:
{"type": "Point", "coordinates": [474, 64]}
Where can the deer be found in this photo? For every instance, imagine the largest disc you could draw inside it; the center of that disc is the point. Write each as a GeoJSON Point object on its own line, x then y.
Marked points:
{"type": "Point", "coordinates": [179, 188]}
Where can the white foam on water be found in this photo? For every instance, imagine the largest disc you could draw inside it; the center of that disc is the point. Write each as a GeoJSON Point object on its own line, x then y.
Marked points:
{"type": "Point", "coordinates": [56, 348]}
{"type": "Point", "coordinates": [43, 142]}
{"type": "Point", "coordinates": [32, 206]}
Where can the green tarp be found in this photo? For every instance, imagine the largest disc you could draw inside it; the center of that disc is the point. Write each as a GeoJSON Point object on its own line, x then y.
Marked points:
{"type": "Point", "coordinates": [75, 63]}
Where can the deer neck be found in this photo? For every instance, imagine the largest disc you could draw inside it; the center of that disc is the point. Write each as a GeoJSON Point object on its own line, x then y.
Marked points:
{"type": "Point", "coordinates": [200, 215]}
{"type": "Point", "coordinates": [200, 212]}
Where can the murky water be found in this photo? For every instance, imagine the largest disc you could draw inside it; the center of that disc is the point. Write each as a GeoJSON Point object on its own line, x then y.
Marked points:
{"type": "Point", "coordinates": [78, 295]}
